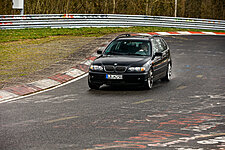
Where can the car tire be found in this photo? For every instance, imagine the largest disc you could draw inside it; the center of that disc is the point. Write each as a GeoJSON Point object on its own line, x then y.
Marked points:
{"type": "Point", "coordinates": [168, 76]}
{"type": "Point", "coordinates": [149, 83]}
{"type": "Point", "coordinates": [93, 86]}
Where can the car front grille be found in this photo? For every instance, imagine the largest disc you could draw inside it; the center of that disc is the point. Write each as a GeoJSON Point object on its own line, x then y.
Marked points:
{"type": "Point", "coordinates": [110, 68]}
{"type": "Point", "coordinates": [120, 68]}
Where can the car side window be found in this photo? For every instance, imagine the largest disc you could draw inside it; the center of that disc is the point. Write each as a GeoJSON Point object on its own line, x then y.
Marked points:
{"type": "Point", "coordinates": [159, 44]}
{"type": "Point", "coordinates": [154, 46]}
{"type": "Point", "coordinates": [164, 45]}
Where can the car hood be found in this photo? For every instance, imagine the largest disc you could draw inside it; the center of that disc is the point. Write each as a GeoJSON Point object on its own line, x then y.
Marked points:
{"type": "Point", "coordinates": [122, 60]}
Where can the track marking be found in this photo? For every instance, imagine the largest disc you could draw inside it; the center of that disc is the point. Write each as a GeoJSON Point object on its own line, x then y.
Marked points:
{"type": "Point", "coordinates": [199, 76]}
{"type": "Point", "coordinates": [144, 101]}
{"type": "Point", "coordinates": [181, 87]}
{"type": "Point", "coordinates": [61, 119]}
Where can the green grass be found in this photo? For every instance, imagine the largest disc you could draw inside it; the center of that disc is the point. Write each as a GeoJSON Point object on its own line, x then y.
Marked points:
{"type": "Point", "coordinates": [21, 34]}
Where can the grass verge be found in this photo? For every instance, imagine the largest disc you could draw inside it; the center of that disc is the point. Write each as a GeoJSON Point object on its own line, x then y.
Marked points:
{"type": "Point", "coordinates": [21, 34]}
{"type": "Point", "coordinates": [21, 59]}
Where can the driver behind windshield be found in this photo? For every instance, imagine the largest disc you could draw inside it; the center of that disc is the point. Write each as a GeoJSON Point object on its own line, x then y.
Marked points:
{"type": "Point", "coordinates": [143, 49]}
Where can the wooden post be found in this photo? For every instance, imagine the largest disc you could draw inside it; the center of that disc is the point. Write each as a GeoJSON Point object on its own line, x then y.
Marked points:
{"type": "Point", "coordinates": [114, 6]}
{"type": "Point", "coordinates": [175, 13]}
{"type": "Point", "coordinates": [147, 7]}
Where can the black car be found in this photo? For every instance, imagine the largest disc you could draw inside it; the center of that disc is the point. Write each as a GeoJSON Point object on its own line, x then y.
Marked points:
{"type": "Point", "coordinates": [138, 59]}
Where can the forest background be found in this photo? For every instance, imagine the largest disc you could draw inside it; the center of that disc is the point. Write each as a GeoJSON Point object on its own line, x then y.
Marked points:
{"type": "Point", "coordinates": [211, 9]}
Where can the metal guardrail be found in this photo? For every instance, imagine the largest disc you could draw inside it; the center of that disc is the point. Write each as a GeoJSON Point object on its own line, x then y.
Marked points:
{"type": "Point", "coordinates": [104, 20]}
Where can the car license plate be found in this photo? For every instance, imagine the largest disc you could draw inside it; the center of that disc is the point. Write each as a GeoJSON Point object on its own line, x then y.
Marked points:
{"type": "Point", "coordinates": [109, 76]}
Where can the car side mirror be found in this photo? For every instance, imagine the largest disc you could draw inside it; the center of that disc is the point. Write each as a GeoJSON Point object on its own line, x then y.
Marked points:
{"type": "Point", "coordinates": [99, 52]}
{"type": "Point", "coordinates": [158, 54]}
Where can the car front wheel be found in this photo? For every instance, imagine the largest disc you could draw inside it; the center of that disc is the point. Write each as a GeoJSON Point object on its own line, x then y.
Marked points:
{"type": "Point", "coordinates": [149, 83]}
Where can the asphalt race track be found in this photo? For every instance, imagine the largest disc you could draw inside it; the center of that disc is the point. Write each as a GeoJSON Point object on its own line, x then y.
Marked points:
{"type": "Point", "coordinates": [186, 113]}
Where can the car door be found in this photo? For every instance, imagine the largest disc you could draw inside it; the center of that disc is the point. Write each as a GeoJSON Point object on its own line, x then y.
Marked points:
{"type": "Point", "coordinates": [157, 60]}
{"type": "Point", "coordinates": [165, 56]}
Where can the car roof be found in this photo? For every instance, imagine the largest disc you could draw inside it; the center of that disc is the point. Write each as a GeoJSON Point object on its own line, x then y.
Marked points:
{"type": "Point", "coordinates": [144, 37]}
{"type": "Point", "coordinates": [133, 39]}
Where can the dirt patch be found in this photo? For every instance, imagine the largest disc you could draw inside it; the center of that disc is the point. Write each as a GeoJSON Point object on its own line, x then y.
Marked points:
{"type": "Point", "coordinates": [32, 60]}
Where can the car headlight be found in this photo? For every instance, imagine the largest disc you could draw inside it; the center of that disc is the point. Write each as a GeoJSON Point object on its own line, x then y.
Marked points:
{"type": "Point", "coordinates": [96, 68]}
{"type": "Point", "coordinates": [136, 69]}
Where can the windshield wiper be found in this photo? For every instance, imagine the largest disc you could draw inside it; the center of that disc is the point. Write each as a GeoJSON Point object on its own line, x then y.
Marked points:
{"type": "Point", "coordinates": [113, 53]}
{"type": "Point", "coordinates": [135, 54]}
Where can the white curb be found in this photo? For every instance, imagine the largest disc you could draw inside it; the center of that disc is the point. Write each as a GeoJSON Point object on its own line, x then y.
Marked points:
{"type": "Point", "coordinates": [6, 95]}
{"type": "Point", "coordinates": [74, 73]}
{"type": "Point", "coordinates": [45, 83]}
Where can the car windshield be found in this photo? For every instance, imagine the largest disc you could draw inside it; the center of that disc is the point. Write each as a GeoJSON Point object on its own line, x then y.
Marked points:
{"type": "Point", "coordinates": [128, 47]}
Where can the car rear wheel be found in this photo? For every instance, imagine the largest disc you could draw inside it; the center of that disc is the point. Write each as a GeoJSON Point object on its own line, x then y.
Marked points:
{"type": "Point", "coordinates": [168, 76]}
{"type": "Point", "coordinates": [149, 83]}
